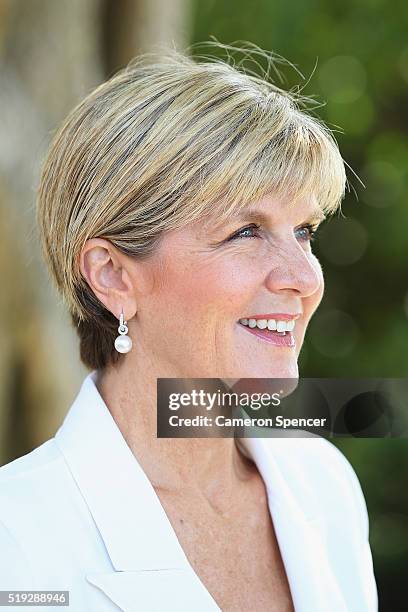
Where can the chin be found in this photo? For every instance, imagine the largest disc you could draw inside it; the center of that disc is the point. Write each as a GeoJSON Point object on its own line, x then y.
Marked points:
{"type": "Point", "coordinates": [284, 372]}
{"type": "Point", "coordinates": [272, 370]}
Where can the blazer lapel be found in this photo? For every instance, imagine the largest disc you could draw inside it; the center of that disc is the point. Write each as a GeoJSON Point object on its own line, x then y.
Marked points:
{"type": "Point", "coordinates": [173, 590]}
{"type": "Point", "coordinates": [150, 570]}
{"type": "Point", "coordinates": [301, 538]}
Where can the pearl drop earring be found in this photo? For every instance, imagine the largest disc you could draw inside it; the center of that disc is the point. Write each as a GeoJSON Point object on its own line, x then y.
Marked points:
{"type": "Point", "coordinates": [123, 343]}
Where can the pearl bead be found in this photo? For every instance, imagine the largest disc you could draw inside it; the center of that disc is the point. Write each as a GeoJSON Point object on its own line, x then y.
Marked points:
{"type": "Point", "coordinates": [123, 344]}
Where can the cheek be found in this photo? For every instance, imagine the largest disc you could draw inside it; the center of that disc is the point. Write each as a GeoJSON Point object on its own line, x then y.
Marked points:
{"type": "Point", "coordinates": [214, 287]}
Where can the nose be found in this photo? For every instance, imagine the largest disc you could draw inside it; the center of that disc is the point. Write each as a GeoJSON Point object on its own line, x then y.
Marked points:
{"type": "Point", "coordinates": [293, 268]}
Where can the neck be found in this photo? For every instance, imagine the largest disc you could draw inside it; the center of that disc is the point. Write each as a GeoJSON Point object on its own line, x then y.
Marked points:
{"type": "Point", "coordinates": [213, 467]}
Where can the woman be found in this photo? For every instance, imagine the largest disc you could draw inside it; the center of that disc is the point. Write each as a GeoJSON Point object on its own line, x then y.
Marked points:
{"type": "Point", "coordinates": [176, 209]}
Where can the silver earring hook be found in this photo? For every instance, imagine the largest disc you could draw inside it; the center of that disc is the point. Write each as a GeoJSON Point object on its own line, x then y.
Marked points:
{"type": "Point", "coordinates": [123, 343]}
{"type": "Point", "coordinates": [122, 329]}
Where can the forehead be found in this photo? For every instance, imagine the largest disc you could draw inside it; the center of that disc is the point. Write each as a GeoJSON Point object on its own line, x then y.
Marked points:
{"type": "Point", "coordinates": [270, 210]}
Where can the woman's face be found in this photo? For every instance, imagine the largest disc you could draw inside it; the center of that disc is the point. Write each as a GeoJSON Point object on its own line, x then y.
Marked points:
{"type": "Point", "coordinates": [207, 276]}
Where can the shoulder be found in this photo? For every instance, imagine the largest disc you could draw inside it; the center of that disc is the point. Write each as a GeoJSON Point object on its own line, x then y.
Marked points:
{"type": "Point", "coordinates": [24, 477]}
{"type": "Point", "coordinates": [41, 513]}
{"type": "Point", "coordinates": [31, 479]}
{"type": "Point", "coordinates": [22, 484]}
{"type": "Point", "coordinates": [41, 456]}
{"type": "Point", "coordinates": [31, 483]}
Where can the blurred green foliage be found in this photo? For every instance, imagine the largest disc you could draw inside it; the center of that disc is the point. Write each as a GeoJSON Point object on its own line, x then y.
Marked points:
{"type": "Point", "coordinates": [356, 56]}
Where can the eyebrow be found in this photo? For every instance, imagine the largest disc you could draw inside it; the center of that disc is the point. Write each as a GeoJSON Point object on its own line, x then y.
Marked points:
{"type": "Point", "coordinates": [316, 214]}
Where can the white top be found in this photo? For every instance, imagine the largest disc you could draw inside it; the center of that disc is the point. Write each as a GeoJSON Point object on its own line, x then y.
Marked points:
{"type": "Point", "coordinates": [78, 513]}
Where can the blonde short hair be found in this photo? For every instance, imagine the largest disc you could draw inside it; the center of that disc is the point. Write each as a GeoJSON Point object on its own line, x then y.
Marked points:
{"type": "Point", "coordinates": [164, 142]}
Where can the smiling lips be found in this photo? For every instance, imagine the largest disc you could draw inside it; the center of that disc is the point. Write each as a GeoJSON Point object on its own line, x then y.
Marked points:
{"type": "Point", "coordinates": [281, 316]}
{"type": "Point", "coordinates": [275, 328]}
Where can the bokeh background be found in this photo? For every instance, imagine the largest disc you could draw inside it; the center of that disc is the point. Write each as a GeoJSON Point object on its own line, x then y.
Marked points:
{"type": "Point", "coordinates": [353, 56]}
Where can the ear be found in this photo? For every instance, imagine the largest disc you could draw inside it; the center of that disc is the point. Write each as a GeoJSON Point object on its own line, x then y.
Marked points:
{"type": "Point", "coordinates": [107, 272]}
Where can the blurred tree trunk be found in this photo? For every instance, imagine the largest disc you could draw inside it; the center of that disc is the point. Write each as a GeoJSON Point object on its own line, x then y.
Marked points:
{"type": "Point", "coordinates": [135, 26]}
{"type": "Point", "coordinates": [51, 55]}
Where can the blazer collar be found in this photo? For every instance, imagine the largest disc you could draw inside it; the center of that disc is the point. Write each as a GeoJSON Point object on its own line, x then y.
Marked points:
{"type": "Point", "coordinates": [147, 558]}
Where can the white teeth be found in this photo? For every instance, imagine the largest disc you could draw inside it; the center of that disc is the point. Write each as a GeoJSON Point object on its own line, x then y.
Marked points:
{"type": "Point", "coordinates": [262, 323]}
{"type": "Point", "coordinates": [281, 326]}
{"type": "Point", "coordinates": [271, 324]}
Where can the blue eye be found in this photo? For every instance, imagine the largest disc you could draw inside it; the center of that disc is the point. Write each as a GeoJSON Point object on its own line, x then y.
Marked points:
{"type": "Point", "coordinates": [245, 232]}
{"type": "Point", "coordinates": [310, 232]}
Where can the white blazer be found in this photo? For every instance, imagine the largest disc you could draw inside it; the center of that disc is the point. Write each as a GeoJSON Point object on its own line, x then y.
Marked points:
{"type": "Point", "coordinates": [78, 513]}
